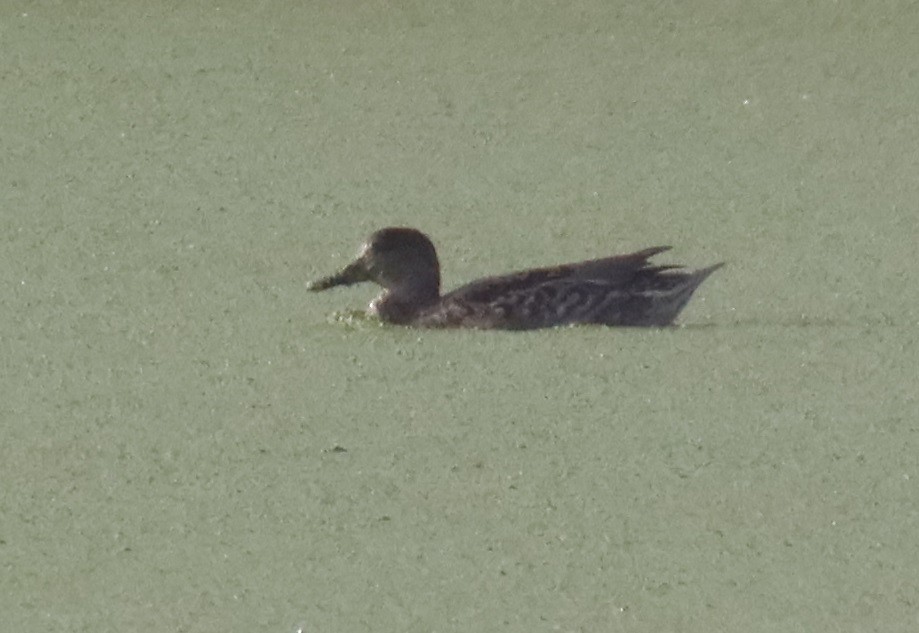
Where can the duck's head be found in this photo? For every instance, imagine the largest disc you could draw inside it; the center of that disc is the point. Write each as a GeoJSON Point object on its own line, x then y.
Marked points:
{"type": "Point", "coordinates": [402, 260]}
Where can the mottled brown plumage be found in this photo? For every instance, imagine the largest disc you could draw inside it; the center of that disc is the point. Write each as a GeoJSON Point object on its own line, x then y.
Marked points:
{"type": "Point", "coordinates": [623, 290]}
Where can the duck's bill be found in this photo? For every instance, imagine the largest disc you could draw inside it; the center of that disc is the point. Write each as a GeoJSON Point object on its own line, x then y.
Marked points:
{"type": "Point", "coordinates": [351, 274]}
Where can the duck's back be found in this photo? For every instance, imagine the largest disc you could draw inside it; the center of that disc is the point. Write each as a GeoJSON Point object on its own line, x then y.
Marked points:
{"type": "Point", "coordinates": [617, 291]}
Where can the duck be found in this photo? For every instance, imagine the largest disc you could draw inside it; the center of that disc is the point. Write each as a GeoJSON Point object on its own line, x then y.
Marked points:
{"type": "Point", "coordinates": [618, 291]}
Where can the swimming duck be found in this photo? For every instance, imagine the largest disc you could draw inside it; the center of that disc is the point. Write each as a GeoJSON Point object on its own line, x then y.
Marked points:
{"type": "Point", "coordinates": [623, 290]}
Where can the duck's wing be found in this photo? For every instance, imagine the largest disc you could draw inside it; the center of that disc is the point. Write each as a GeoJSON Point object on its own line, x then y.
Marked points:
{"type": "Point", "coordinates": [614, 271]}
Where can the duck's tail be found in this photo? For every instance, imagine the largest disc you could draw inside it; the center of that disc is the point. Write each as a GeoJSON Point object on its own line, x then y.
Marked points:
{"type": "Point", "coordinates": [667, 294]}
{"type": "Point", "coordinates": [702, 274]}
{"type": "Point", "coordinates": [682, 292]}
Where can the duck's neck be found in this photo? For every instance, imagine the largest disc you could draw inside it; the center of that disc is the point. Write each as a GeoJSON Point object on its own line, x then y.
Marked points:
{"type": "Point", "coordinates": [401, 304]}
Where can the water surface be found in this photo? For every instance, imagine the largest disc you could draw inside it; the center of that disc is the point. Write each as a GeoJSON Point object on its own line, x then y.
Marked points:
{"type": "Point", "coordinates": [190, 441]}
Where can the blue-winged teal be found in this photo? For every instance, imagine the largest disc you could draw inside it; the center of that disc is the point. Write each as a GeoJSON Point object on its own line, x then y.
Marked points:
{"type": "Point", "coordinates": [623, 290]}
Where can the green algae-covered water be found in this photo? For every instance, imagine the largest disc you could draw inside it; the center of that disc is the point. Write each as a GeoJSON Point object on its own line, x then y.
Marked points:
{"type": "Point", "coordinates": [191, 442]}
